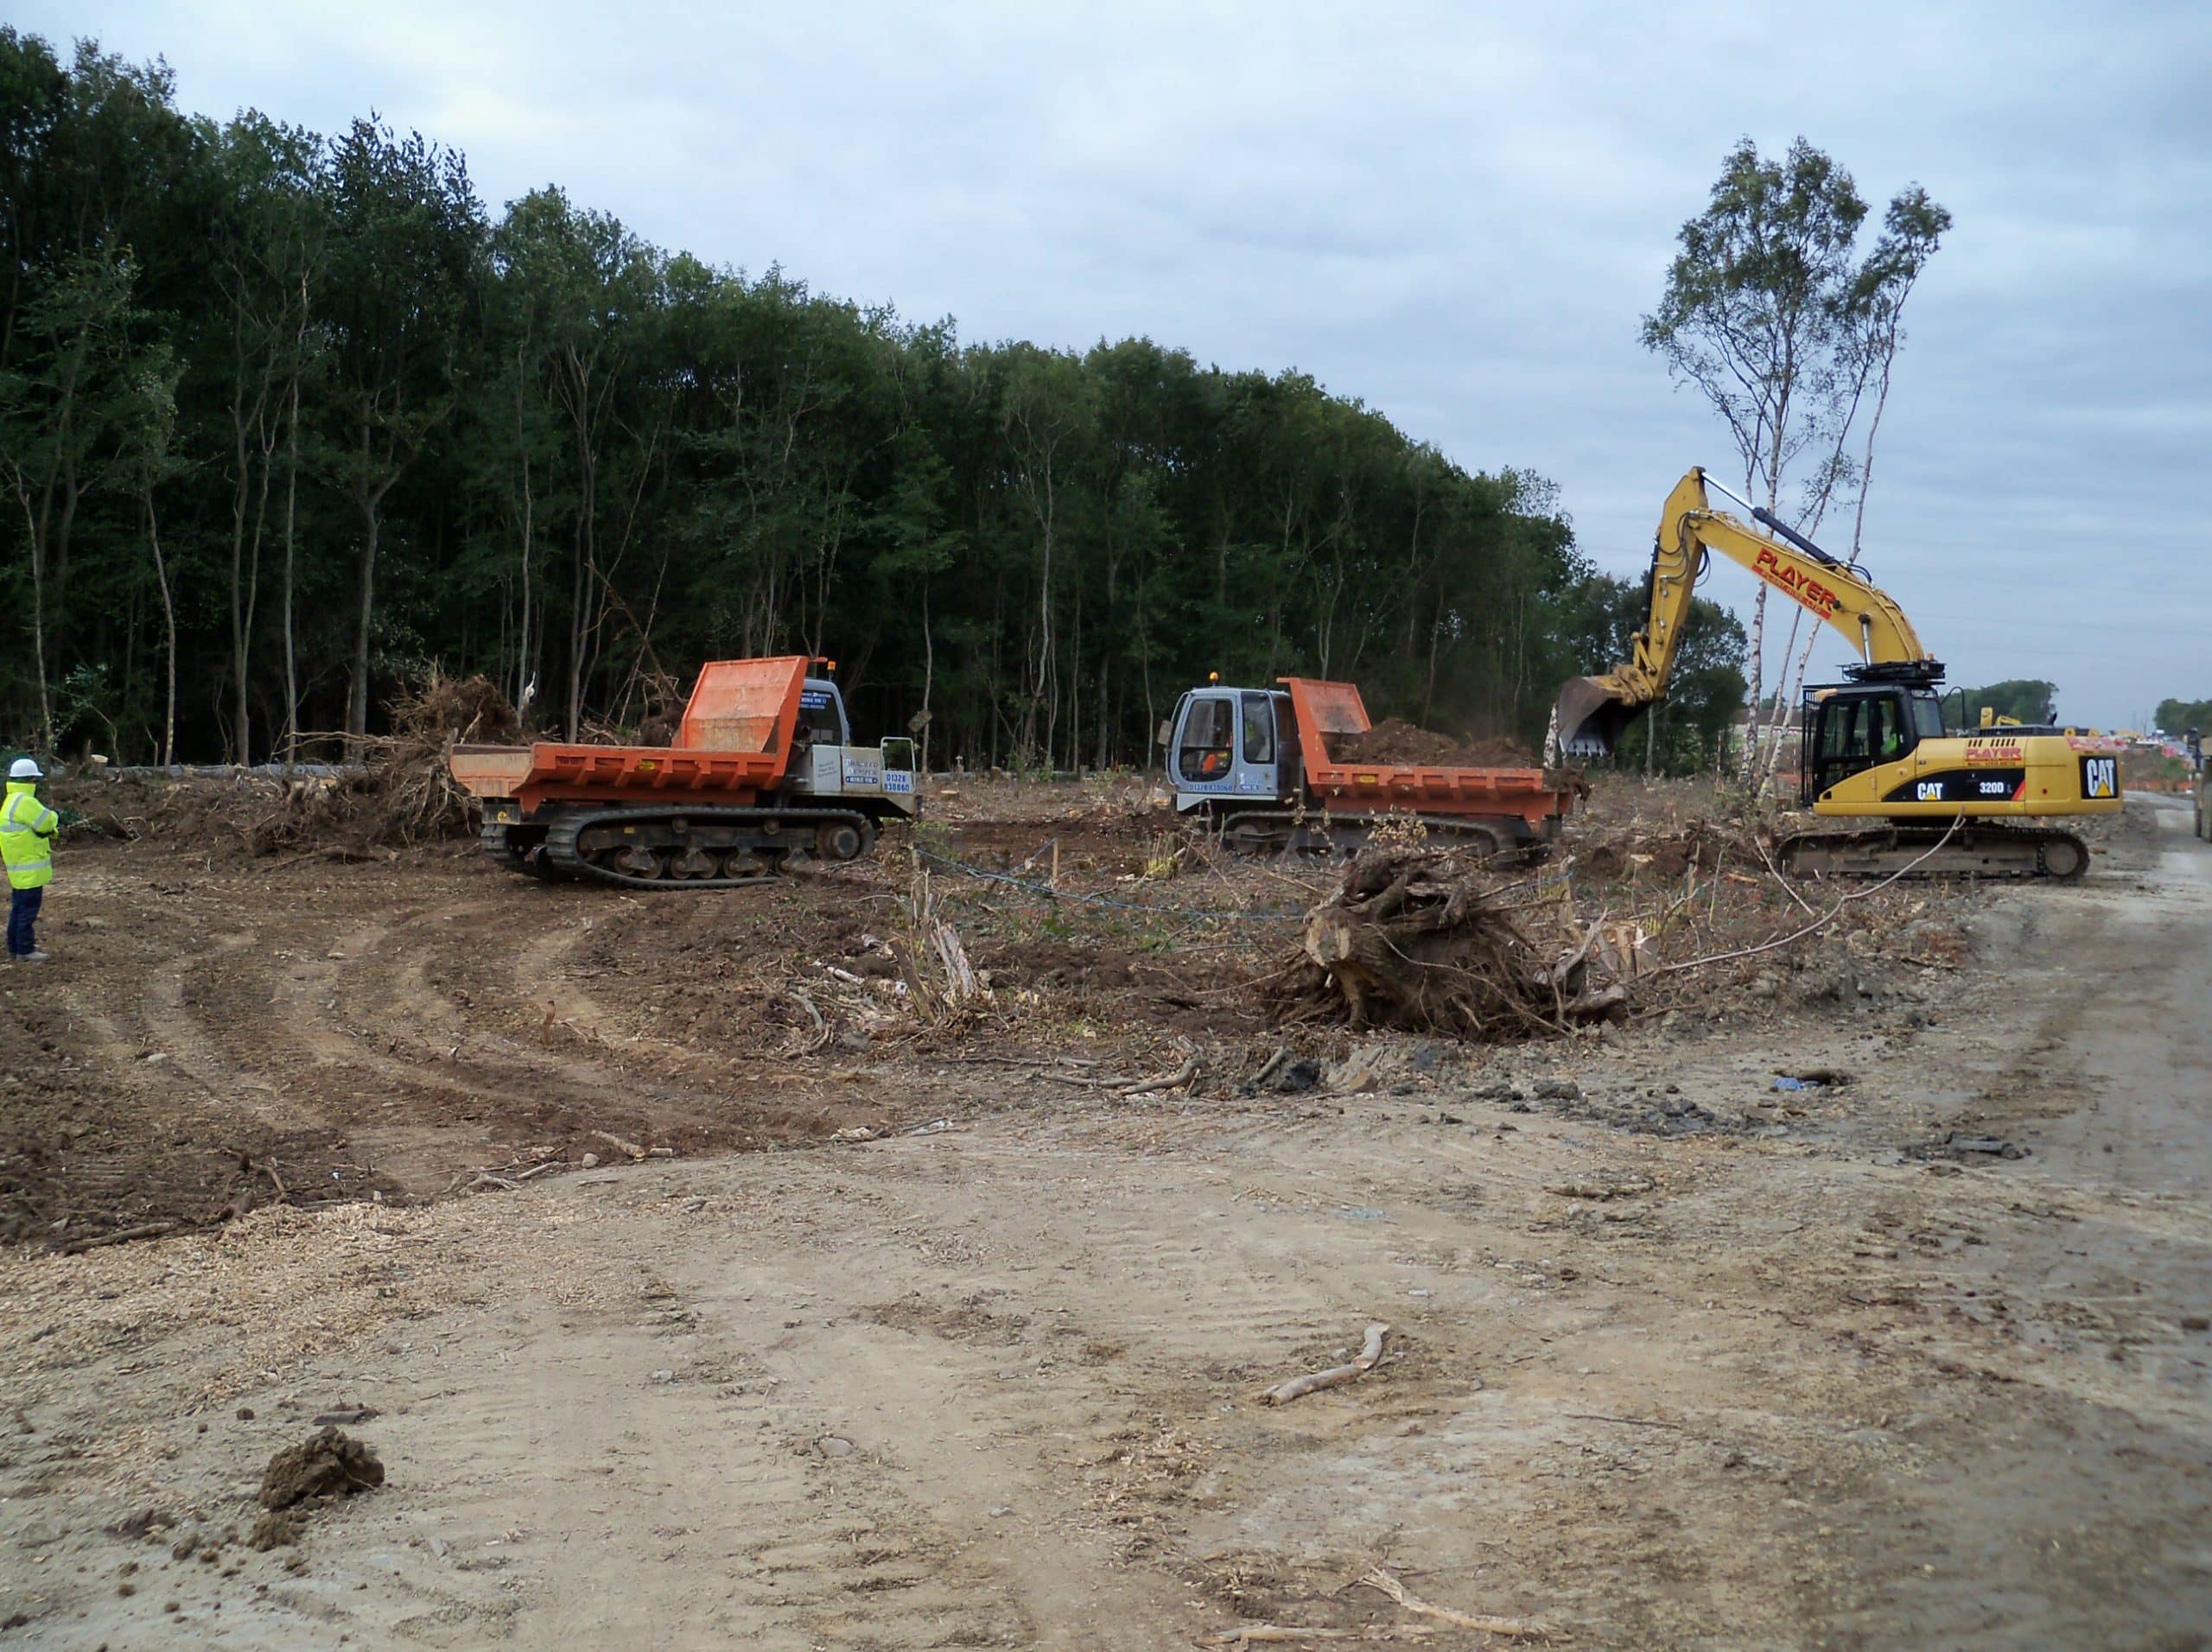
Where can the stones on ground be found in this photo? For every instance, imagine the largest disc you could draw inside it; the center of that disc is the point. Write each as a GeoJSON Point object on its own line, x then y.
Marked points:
{"type": "Point", "coordinates": [1558, 1090]}
{"type": "Point", "coordinates": [834, 1445]}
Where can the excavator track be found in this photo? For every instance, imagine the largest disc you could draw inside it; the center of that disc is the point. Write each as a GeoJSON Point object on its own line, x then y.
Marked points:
{"type": "Point", "coordinates": [1975, 849]}
{"type": "Point", "coordinates": [1265, 831]}
{"type": "Point", "coordinates": [699, 848]}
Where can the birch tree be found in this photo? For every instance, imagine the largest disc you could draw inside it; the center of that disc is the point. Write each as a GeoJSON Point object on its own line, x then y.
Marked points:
{"type": "Point", "coordinates": [1767, 311]}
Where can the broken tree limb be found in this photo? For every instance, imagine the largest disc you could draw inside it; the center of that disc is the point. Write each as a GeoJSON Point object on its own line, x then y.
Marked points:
{"type": "Point", "coordinates": [1182, 1075]}
{"type": "Point", "coordinates": [1378, 1579]}
{"type": "Point", "coordinates": [631, 1148]}
{"type": "Point", "coordinates": [121, 1236]}
{"type": "Point", "coordinates": [1298, 1387]}
{"type": "Point", "coordinates": [1819, 923]}
{"type": "Point", "coordinates": [820, 1026]}
{"type": "Point", "coordinates": [1082, 1079]}
{"type": "Point", "coordinates": [1291, 1635]}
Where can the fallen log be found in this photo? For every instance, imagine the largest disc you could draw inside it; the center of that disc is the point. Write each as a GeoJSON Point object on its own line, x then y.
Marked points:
{"type": "Point", "coordinates": [120, 1237]}
{"type": "Point", "coordinates": [1298, 1387]}
{"type": "Point", "coordinates": [1291, 1635]}
{"type": "Point", "coordinates": [1509, 1627]}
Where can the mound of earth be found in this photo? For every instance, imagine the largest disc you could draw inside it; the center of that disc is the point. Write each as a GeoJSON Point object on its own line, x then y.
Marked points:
{"type": "Point", "coordinates": [1395, 741]}
{"type": "Point", "coordinates": [331, 1463]}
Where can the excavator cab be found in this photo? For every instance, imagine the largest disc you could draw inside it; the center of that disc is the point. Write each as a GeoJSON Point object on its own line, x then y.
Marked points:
{"type": "Point", "coordinates": [1853, 727]}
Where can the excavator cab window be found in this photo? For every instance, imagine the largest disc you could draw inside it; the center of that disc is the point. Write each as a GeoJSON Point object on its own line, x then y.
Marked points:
{"type": "Point", "coordinates": [1927, 710]}
{"type": "Point", "coordinates": [1850, 732]}
{"type": "Point", "coordinates": [1208, 748]}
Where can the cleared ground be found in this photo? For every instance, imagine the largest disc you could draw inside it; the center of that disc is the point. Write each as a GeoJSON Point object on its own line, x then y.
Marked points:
{"type": "Point", "coordinates": [1677, 1357]}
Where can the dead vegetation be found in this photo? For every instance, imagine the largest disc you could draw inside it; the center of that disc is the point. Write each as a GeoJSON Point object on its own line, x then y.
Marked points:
{"type": "Point", "coordinates": [394, 792]}
{"type": "Point", "coordinates": [405, 792]}
{"type": "Point", "coordinates": [1423, 940]}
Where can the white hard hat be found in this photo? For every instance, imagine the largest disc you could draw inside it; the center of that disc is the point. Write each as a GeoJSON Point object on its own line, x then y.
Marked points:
{"type": "Point", "coordinates": [23, 769]}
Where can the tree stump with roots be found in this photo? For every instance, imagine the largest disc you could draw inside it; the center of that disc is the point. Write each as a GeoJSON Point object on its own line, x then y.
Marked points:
{"type": "Point", "coordinates": [1413, 939]}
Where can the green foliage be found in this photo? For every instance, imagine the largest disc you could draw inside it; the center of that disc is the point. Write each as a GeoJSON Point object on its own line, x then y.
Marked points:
{"type": "Point", "coordinates": [285, 413]}
{"type": "Point", "coordinates": [2028, 700]}
{"type": "Point", "coordinates": [1705, 692]}
{"type": "Point", "coordinates": [1770, 311]}
{"type": "Point", "coordinates": [2178, 717]}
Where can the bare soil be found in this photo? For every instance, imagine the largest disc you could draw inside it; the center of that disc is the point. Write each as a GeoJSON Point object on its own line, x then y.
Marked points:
{"type": "Point", "coordinates": [872, 1335]}
{"type": "Point", "coordinates": [1395, 741]}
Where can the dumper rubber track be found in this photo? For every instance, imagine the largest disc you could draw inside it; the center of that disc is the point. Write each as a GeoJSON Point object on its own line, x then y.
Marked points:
{"type": "Point", "coordinates": [708, 847]}
{"type": "Point", "coordinates": [1976, 849]}
{"type": "Point", "coordinates": [1267, 831]}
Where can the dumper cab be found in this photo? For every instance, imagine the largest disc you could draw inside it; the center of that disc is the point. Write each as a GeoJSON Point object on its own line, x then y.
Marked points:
{"type": "Point", "coordinates": [1233, 745]}
{"type": "Point", "coordinates": [826, 764]}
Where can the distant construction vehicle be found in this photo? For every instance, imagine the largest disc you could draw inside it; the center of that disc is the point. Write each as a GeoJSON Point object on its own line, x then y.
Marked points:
{"type": "Point", "coordinates": [1261, 767]}
{"type": "Point", "coordinates": [763, 768]}
{"type": "Point", "coordinates": [1874, 747]}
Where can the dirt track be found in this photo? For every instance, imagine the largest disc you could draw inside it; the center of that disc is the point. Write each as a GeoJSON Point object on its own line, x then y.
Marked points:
{"type": "Point", "coordinates": [1713, 1365]}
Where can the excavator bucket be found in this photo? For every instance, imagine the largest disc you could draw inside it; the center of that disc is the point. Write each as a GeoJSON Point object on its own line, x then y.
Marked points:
{"type": "Point", "coordinates": [1590, 717]}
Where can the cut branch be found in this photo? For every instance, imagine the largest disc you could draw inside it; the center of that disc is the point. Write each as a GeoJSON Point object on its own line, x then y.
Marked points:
{"type": "Point", "coordinates": [1299, 1387]}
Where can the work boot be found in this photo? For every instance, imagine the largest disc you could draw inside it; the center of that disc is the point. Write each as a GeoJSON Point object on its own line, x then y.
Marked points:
{"type": "Point", "coordinates": [29, 957]}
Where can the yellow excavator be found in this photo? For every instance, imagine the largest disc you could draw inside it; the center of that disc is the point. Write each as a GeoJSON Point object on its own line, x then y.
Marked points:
{"type": "Point", "coordinates": [1875, 746]}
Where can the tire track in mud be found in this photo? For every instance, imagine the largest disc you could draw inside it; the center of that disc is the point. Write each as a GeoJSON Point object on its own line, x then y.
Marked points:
{"type": "Point", "coordinates": [210, 1039]}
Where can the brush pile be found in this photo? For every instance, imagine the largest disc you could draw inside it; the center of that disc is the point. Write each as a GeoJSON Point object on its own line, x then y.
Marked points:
{"type": "Point", "coordinates": [405, 793]}
{"type": "Point", "coordinates": [1423, 940]}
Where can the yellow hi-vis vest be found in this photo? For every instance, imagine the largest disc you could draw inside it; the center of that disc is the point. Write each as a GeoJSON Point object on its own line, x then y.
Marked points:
{"type": "Point", "coordinates": [27, 829]}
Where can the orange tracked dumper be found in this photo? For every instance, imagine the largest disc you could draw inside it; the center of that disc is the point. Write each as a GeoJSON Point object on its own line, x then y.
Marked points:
{"type": "Point", "coordinates": [763, 767]}
{"type": "Point", "coordinates": [1259, 764]}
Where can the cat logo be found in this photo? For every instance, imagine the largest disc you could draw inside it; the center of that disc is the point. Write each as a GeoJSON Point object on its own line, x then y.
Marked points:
{"type": "Point", "coordinates": [1931, 790]}
{"type": "Point", "coordinates": [2101, 777]}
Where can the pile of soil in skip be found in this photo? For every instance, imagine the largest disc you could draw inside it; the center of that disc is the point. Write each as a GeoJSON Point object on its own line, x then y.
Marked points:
{"type": "Point", "coordinates": [1395, 741]}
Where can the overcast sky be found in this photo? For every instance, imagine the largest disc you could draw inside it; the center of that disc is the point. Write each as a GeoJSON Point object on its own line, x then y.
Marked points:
{"type": "Point", "coordinates": [1456, 213]}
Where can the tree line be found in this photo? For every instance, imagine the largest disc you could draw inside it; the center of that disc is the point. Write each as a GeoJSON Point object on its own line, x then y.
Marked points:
{"type": "Point", "coordinates": [287, 419]}
{"type": "Point", "coordinates": [2177, 716]}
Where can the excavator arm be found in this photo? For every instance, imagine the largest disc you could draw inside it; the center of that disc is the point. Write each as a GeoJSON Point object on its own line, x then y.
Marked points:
{"type": "Point", "coordinates": [1593, 712]}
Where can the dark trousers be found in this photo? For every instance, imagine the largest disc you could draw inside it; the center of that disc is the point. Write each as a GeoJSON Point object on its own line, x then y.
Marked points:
{"type": "Point", "coordinates": [22, 914]}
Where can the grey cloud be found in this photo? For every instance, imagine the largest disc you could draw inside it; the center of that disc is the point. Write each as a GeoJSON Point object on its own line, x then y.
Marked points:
{"type": "Point", "coordinates": [1454, 213]}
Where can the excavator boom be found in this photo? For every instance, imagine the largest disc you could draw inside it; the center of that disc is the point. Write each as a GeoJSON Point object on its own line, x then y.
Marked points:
{"type": "Point", "coordinates": [1592, 711]}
